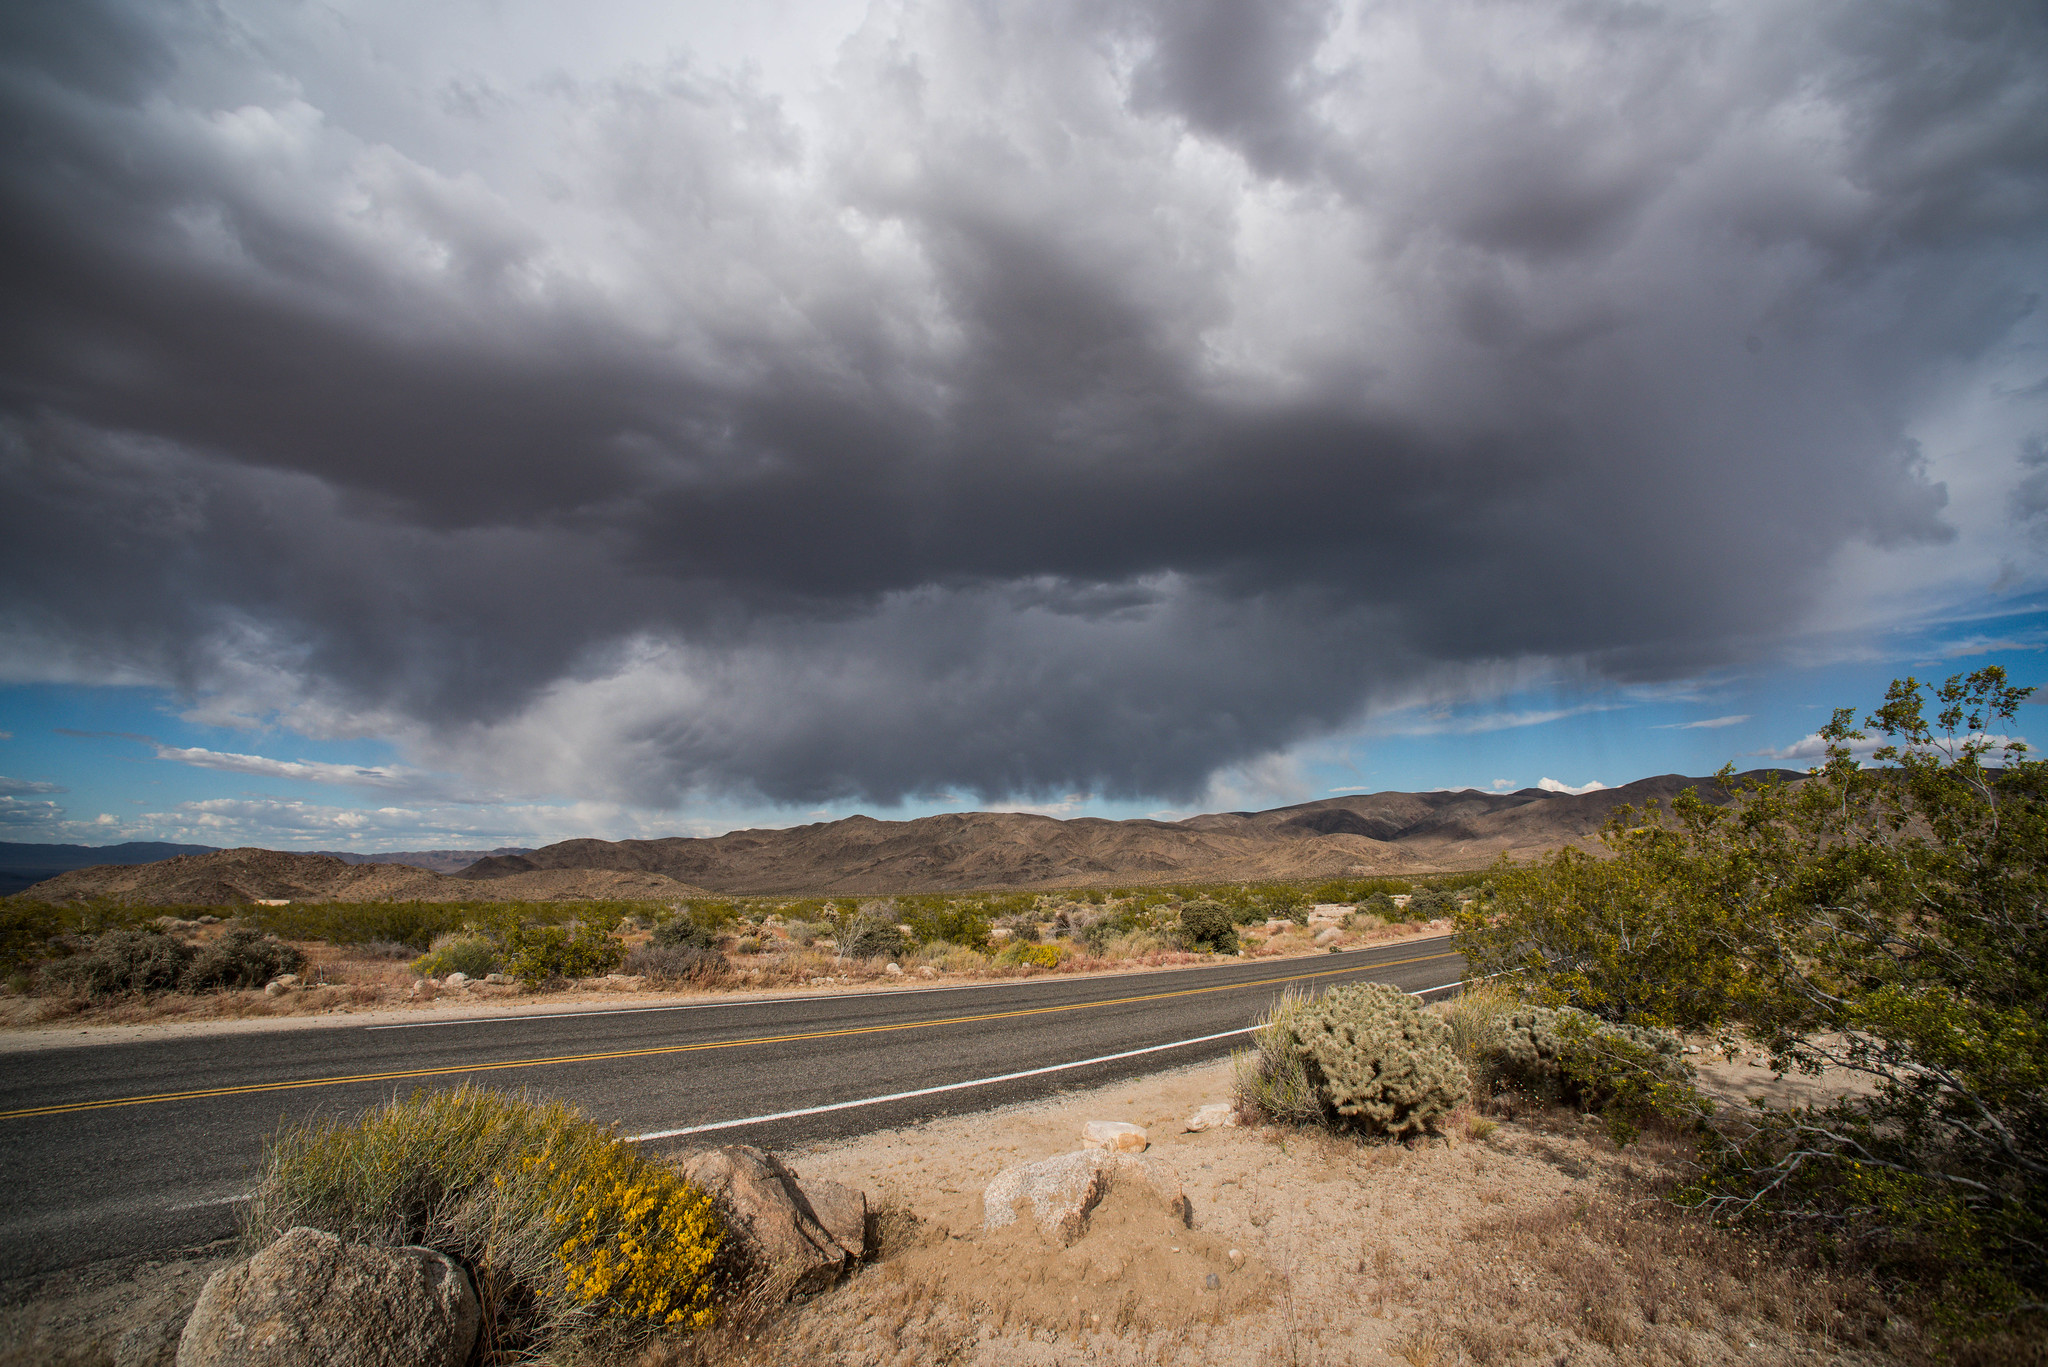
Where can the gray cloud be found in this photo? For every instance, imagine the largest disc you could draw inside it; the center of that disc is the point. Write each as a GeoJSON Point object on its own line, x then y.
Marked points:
{"type": "Point", "coordinates": [1077, 400]}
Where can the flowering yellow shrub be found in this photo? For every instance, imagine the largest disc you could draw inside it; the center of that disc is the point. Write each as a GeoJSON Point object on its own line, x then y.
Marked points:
{"type": "Point", "coordinates": [564, 1226]}
{"type": "Point", "coordinates": [640, 1240]}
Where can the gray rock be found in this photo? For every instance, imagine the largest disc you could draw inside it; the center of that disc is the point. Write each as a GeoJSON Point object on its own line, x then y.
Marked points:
{"type": "Point", "coordinates": [793, 1237]}
{"type": "Point", "coordinates": [1062, 1192]}
{"type": "Point", "coordinates": [310, 1298]}
{"type": "Point", "coordinates": [1216, 1115]}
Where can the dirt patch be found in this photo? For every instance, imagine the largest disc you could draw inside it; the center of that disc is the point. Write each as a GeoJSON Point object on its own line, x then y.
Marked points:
{"type": "Point", "coordinates": [1539, 1242]}
{"type": "Point", "coordinates": [128, 1312]}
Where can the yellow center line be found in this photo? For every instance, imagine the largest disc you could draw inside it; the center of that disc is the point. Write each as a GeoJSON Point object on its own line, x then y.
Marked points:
{"type": "Point", "coordinates": [399, 1075]}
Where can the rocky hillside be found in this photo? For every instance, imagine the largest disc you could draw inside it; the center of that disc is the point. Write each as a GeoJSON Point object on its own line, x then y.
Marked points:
{"type": "Point", "coordinates": [1358, 834]}
{"type": "Point", "coordinates": [250, 875]}
{"type": "Point", "coordinates": [1367, 833]}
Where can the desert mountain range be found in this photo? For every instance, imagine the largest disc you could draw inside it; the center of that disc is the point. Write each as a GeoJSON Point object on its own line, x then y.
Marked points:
{"type": "Point", "coordinates": [1349, 836]}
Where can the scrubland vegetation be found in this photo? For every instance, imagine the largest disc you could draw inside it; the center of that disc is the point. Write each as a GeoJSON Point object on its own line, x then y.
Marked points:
{"type": "Point", "coordinates": [138, 962]}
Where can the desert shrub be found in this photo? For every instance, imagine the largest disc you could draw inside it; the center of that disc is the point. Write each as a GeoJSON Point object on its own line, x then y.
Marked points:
{"type": "Point", "coordinates": [1272, 1081]}
{"type": "Point", "coordinates": [1023, 927]}
{"type": "Point", "coordinates": [538, 953]}
{"type": "Point", "coordinates": [565, 1228]}
{"type": "Point", "coordinates": [1429, 904]}
{"type": "Point", "coordinates": [1382, 906]}
{"type": "Point", "coordinates": [123, 961]}
{"type": "Point", "coordinates": [1205, 925]}
{"type": "Point", "coordinates": [1377, 1060]}
{"type": "Point", "coordinates": [1627, 1073]}
{"type": "Point", "coordinates": [1476, 1017]}
{"type": "Point", "coordinates": [242, 957]}
{"type": "Point", "coordinates": [1030, 955]}
{"type": "Point", "coordinates": [684, 932]}
{"type": "Point", "coordinates": [472, 955]}
{"type": "Point", "coordinates": [961, 959]}
{"type": "Point", "coordinates": [802, 933]}
{"type": "Point", "coordinates": [678, 963]}
{"type": "Point", "coordinates": [872, 936]}
{"type": "Point", "coordinates": [1133, 944]}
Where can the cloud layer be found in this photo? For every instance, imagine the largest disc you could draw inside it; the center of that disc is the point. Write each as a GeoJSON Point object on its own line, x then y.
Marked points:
{"type": "Point", "coordinates": [1073, 398]}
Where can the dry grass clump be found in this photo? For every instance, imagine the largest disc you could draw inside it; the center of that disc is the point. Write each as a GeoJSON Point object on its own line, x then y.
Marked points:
{"type": "Point", "coordinates": [571, 1234]}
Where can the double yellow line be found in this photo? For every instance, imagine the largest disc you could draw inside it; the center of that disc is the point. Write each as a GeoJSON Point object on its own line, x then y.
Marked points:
{"type": "Point", "coordinates": [400, 1075]}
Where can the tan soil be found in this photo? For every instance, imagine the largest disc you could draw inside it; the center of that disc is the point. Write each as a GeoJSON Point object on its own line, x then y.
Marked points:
{"type": "Point", "coordinates": [1536, 1242]}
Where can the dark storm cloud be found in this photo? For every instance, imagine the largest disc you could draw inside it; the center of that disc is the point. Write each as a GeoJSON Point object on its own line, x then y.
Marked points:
{"type": "Point", "coordinates": [1084, 401]}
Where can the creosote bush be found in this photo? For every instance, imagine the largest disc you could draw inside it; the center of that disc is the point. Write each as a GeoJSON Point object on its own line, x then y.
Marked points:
{"type": "Point", "coordinates": [679, 963]}
{"type": "Point", "coordinates": [470, 954]}
{"type": "Point", "coordinates": [568, 1232]}
{"type": "Point", "coordinates": [538, 953]}
{"type": "Point", "coordinates": [143, 962]}
{"type": "Point", "coordinates": [1205, 924]}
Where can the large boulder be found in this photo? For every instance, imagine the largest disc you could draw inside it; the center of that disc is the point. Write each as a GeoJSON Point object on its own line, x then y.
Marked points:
{"type": "Point", "coordinates": [792, 1236]}
{"type": "Point", "coordinates": [1061, 1193]}
{"type": "Point", "coordinates": [310, 1298]}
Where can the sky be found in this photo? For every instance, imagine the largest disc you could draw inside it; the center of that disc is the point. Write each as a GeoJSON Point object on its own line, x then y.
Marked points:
{"type": "Point", "coordinates": [496, 421]}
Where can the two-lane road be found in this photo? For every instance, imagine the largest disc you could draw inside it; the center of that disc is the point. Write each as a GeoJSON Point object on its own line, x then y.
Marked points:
{"type": "Point", "coordinates": [116, 1149]}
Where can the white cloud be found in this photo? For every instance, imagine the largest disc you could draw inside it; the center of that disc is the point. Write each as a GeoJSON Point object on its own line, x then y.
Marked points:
{"type": "Point", "coordinates": [1710, 724]}
{"type": "Point", "coordinates": [311, 771]}
{"type": "Point", "coordinates": [16, 812]}
{"type": "Point", "coordinates": [1813, 747]}
{"type": "Point", "coordinates": [1551, 785]}
{"type": "Point", "coordinates": [23, 786]}
{"type": "Point", "coordinates": [1501, 785]}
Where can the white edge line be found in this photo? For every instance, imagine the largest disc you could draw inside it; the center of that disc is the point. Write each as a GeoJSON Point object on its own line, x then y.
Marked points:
{"type": "Point", "coordinates": [812, 997]}
{"type": "Point", "coordinates": [959, 1086]}
{"type": "Point", "coordinates": [216, 1201]}
{"type": "Point", "coordinates": [929, 1091]}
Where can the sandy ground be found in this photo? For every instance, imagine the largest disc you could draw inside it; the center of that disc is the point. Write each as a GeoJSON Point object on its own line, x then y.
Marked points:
{"type": "Point", "coordinates": [1529, 1239]}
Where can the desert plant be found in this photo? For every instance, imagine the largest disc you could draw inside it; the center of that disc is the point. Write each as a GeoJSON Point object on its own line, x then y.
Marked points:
{"type": "Point", "coordinates": [243, 957]}
{"type": "Point", "coordinates": [872, 936]}
{"type": "Point", "coordinates": [802, 933]}
{"type": "Point", "coordinates": [123, 961]}
{"type": "Point", "coordinates": [1378, 1060]}
{"type": "Point", "coordinates": [1382, 906]}
{"type": "Point", "coordinates": [678, 963]}
{"type": "Point", "coordinates": [1429, 904]}
{"type": "Point", "coordinates": [1272, 1080]}
{"type": "Point", "coordinates": [1627, 1073]}
{"type": "Point", "coordinates": [538, 953]}
{"type": "Point", "coordinates": [1476, 1016]}
{"type": "Point", "coordinates": [1205, 924]}
{"type": "Point", "coordinates": [471, 955]}
{"type": "Point", "coordinates": [683, 932]}
{"type": "Point", "coordinates": [564, 1227]}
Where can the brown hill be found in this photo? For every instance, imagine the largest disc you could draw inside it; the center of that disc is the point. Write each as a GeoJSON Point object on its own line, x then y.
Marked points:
{"type": "Point", "coordinates": [250, 875]}
{"type": "Point", "coordinates": [1366, 833]}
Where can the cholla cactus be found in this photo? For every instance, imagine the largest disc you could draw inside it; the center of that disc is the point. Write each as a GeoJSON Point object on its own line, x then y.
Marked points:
{"type": "Point", "coordinates": [1569, 1052]}
{"type": "Point", "coordinates": [1379, 1059]}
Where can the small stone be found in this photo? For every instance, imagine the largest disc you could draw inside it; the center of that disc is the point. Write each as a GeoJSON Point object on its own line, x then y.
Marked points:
{"type": "Point", "coordinates": [894, 970]}
{"type": "Point", "coordinates": [1236, 1259]}
{"type": "Point", "coordinates": [276, 987]}
{"type": "Point", "coordinates": [498, 979]}
{"type": "Point", "coordinates": [455, 980]}
{"type": "Point", "coordinates": [1215, 1115]}
{"type": "Point", "coordinates": [1117, 1136]}
{"type": "Point", "coordinates": [927, 971]}
{"type": "Point", "coordinates": [1213, 1281]}
{"type": "Point", "coordinates": [1329, 936]}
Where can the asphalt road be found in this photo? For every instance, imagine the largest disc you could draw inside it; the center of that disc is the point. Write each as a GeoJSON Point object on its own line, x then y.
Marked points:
{"type": "Point", "coordinates": [112, 1150]}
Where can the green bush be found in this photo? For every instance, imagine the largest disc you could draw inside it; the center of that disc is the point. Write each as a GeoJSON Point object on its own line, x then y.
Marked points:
{"type": "Point", "coordinates": [1382, 906]}
{"type": "Point", "coordinates": [538, 953]}
{"type": "Point", "coordinates": [243, 957]}
{"type": "Point", "coordinates": [683, 932]}
{"type": "Point", "coordinates": [1627, 1073]}
{"type": "Point", "coordinates": [474, 956]}
{"type": "Point", "coordinates": [1430, 904]}
{"type": "Point", "coordinates": [1205, 925]}
{"type": "Point", "coordinates": [872, 936]}
{"type": "Point", "coordinates": [567, 1230]}
{"type": "Point", "coordinates": [121, 962]}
